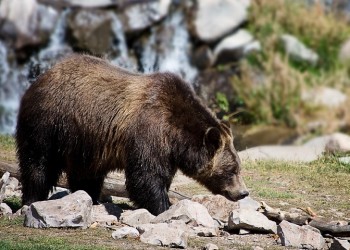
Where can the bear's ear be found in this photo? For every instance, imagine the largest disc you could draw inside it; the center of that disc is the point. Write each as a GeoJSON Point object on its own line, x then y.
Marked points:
{"type": "Point", "coordinates": [212, 139]}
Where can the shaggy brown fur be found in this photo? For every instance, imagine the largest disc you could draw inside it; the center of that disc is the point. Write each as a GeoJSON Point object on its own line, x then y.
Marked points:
{"type": "Point", "coordinates": [87, 117]}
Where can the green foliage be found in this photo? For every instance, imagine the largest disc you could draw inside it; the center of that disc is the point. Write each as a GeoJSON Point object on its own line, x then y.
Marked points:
{"type": "Point", "coordinates": [7, 142]}
{"type": "Point", "coordinates": [270, 83]}
{"type": "Point", "coordinates": [13, 202]}
{"type": "Point", "coordinates": [222, 101]}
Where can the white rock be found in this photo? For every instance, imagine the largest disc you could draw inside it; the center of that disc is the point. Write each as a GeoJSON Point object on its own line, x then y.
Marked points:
{"type": "Point", "coordinates": [215, 18]}
{"type": "Point", "coordinates": [163, 234]}
{"type": "Point", "coordinates": [5, 210]}
{"type": "Point", "coordinates": [300, 236]}
{"type": "Point", "coordinates": [9, 187]}
{"type": "Point", "coordinates": [337, 142]}
{"type": "Point", "coordinates": [106, 214]}
{"type": "Point", "coordinates": [232, 47]}
{"type": "Point", "coordinates": [324, 96]}
{"type": "Point", "coordinates": [136, 217]}
{"type": "Point", "coordinates": [211, 246]}
{"type": "Point", "coordinates": [298, 50]}
{"type": "Point", "coordinates": [249, 203]}
{"type": "Point", "coordinates": [71, 211]}
{"type": "Point", "coordinates": [125, 232]}
{"type": "Point", "coordinates": [190, 212]}
{"type": "Point", "coordinates": [137, 17]}
{"type": "Point", "coordinates": [250, 220]}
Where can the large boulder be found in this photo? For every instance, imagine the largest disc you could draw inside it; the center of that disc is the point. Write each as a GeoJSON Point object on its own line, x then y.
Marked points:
{"type": "Point", "coordinates": [300, 236]}
{"type": "Point", "coordinates": [90, 30]}
{"type": "Point", "coordinates": [26, 22]}
{"type": "Point", "coordinates": [215, 18]}
{"type": "Point", "coordinates": [71, 211]}
{"type": "Point", "coordinates": [188, 211]}
{"type": "Point", "coordinates": [140, 16]}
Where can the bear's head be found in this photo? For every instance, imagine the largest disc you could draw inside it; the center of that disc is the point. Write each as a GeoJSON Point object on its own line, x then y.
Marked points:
{"type": "Point", "coordinates": [222, 174]}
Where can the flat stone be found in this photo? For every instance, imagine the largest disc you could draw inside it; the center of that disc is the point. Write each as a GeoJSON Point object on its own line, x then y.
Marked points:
{"type": "Point", "coordinates": [300, 236]}
{"type": "Point", "coordinates": [210, 246]}
{"type": "Point", "coordinates": [251, 220]}
{"type": "Point", "coordinates": [136, 217]}
{"type": "Point", "coordinates": [217, 205]}
{"type": "Point", "coordinates": [190, 212]}
{"type": "Point", "coordinates": [163, 234]}
{"type": "Point", "coordinates": [106, 214]}
{"type": "Point", "coordinates": [228, 15]}
{"type": "Point", "coordinates": [5, 210]}
{"type": "Point", "coordinates": [125, 232]}
{"type": "Point", "coordinates": [73, 210]}
{"type": "Point", "coordinates": [249, 203]}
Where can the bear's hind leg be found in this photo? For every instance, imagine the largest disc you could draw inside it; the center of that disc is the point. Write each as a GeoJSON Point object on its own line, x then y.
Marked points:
{"type": "Point", "coordinates": [150, 194]}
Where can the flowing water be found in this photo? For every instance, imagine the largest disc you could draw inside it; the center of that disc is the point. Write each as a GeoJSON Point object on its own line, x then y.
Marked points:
{"type": "Point", "coordinates": [166, 48]}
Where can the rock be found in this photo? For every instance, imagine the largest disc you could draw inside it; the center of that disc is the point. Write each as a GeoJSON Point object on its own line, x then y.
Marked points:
{"type": "Point", "coordinates": [125, 232]}
{"type": "Point", "coordinates": [345, 160]}
{"type": "Point", "coordinates": [214, 19]}
{"type": "Point", "coordinates": [344, 53]}
{"type": "Point", "coordinates": [257, 248]}
{"type": "Point", "coordinates": [188, 211]}
{"type": "Point", "coordinates": [106, 214]}
{"type": "Point", "coordinates": [136, 217]}
{"type": "Point", "coordinates": [298, 50]}
{"type": "Point", "coordinates": [203, 57]}
{"type": "Point", "coordinates": [210, 246]}
{"type": "Point", "coordinates": [9, 187]}
{"type": "Point", "coordinates": [217, 205]}
{"type": "Point", "coordinates": [339, 244]}
{"type": "Point", "coordinates": [233, 47]}
{"type": "Point", "coordinates": [282, 153]}
{"type": "Point", "coordinates": [22, 211]}
{"type": "Point", "coordinates": [300, 236]}
{"type": "Point", "coordinates": [250, 220]}
{"type": "Point", "coordinates": [90, 30]}
{"type": "Point", "coordinates": [334, 143]}
{"type": "Point", "coordinates": [5, 210]}
{"type": "Point", "coordinates": [71, 211]}
{"type": "Point", "coordinates": [204, 231]}
{"type": "Point", "coordinates": [86, 3]}
{"type": "Point", "coordinates": [324, 96]}
{"type": "Point", "coordinates": [26, 23]}
{"type": "Point", "coordinates": [140, 16]}
{"type": "Point", "coordinates": [163, 234]}
{"type": "Point", "coordinates": [249, 203]}
{"type": "Point", "coordinates": [58, 193]}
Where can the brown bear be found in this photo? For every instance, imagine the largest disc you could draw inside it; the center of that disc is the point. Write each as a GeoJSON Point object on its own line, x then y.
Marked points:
{"type": "Point", "coordinates": [86, 117]}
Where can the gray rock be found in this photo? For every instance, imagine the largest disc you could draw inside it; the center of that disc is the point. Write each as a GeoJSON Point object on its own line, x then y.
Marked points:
{"type": "Point", "coordinates": [136, 217]}
{"type": "Point", "coordinates": [210, 246]}
{"type": "Point", "coordinates": [300, 236]}
{"type": "Point", "coordinates": [27, 23]}
{"type": "Point", "coordinates": [5, 210]}
{"type": "Point", "coordinates": [334, 143]}
{"type": "Point", "coordinates": [91, 30]}
{"type": "Point", "coordinates": [339, 244]}
{"type": "Point", "coordinates": [22, 211]}
{"type": "Point", "coordinates": [298, 50]}
{"type": "Point", "coordinates": [232, 47]}
{"type": "Point", "coordinates": [250, 220]}
{"type": "Point", "coordinates": [9, 187]}
{"type": "Point", "coordinates": [71, 211]}
{"type": "Point", "coordinates": [214, 19]}
{"type": "Point", "coordinates": [217, 205]}
{"type": "Point", "coordinates": [140, 16]}
{"type": "Point", "coordinates": [249, 203]}
{"type": "Point", "coordinates": [204, 231]}
{"type": "Point", "coordinates": [324, 96]}
{"type": "Point", "coordinates": [190, 212]}
{"type": "Point", "coordinates": [125, 232]}
{"type": "Point", "coordinates": [163, 234]}
{"type": "Point", "coordinates": [106, 214]}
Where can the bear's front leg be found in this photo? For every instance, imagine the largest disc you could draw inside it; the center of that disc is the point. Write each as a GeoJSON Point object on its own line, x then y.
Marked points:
{"type": "Point", "coordinates": [147, 191]}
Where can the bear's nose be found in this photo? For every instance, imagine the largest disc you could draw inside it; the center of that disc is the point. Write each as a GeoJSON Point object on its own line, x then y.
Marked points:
{"type": "Point", "coordinates": [243, 194]}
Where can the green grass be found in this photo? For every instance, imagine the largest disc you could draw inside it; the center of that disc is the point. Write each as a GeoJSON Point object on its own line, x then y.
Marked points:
{"type": "Point", "coordinates": [7, 142]}
{"type": "Point", "coordinates": [270, 83]}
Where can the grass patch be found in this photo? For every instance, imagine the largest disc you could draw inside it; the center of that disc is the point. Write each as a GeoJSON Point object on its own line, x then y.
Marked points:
{"type": "Point", "coordinates": [7, 148]}
{"type": "Point", "coordinates": [270, 84]}
{"type": "Point", "coordinates": [13, 202]}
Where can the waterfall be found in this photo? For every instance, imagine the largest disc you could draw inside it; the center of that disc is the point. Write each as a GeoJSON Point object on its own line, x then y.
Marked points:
{"type": "Point", "coordinates": [169, 51]}
{"type": "Point", "coordinates": [13, 82]}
